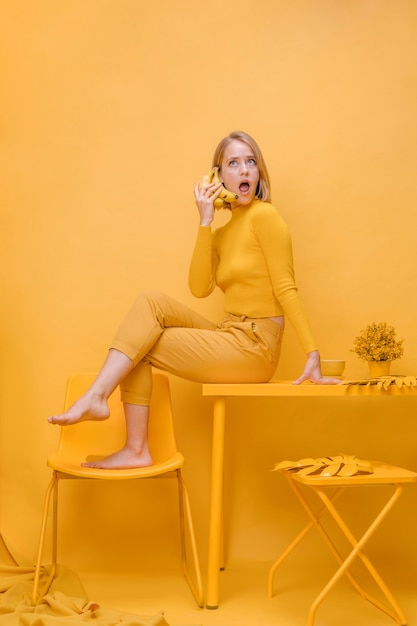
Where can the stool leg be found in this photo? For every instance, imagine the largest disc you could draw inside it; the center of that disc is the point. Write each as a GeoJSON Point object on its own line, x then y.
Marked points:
{"type": "Point", "coordinates": [284, 555]}
{"type": "Point", "coordinates": [314, 522]}
{"type": "Point", "coordinates": [397, 615]}
{"type": "Point", "coordinates": [326, 537]}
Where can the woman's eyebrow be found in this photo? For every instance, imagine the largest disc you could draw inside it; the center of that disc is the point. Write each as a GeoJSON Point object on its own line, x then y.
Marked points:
{"type": "Point", "coordinates": [247, 156]}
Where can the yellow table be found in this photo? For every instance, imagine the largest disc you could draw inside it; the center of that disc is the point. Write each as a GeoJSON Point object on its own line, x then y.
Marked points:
{"type": "Point", "coordinates": [278, 389]}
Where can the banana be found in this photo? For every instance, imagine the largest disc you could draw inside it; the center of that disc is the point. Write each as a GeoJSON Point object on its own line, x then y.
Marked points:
{"type": "Point", "coordinates": [226, 197]}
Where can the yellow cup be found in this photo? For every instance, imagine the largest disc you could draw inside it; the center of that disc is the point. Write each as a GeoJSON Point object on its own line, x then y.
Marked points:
{"type": "Point", "coordinates": [332, 368]}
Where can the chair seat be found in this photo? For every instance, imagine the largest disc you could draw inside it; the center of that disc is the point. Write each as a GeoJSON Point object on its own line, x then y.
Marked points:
{"type": "Point", "coordinates": [74, 468]}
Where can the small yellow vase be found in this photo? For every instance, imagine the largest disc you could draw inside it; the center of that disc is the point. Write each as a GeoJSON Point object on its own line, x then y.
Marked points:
{"type": "Point", "coordinates": [379, 368]}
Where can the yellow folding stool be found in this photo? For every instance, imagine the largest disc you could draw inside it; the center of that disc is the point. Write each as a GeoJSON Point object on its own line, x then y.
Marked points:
{"type": "Point", "coordinates": [382, 474]}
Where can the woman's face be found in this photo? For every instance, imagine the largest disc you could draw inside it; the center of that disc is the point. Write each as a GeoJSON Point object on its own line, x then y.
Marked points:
{"type": "Point", "coordinates": [239, 171]}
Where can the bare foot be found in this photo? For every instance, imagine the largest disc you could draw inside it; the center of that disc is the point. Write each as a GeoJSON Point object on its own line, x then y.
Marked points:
{"type": "Point", "coordinates": [123, 459]}
{"type": "Point", "coordinates": [88, 407]}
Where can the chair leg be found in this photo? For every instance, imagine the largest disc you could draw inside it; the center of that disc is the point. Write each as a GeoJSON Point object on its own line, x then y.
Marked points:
{"type": "Point", "coordinates": [51, 491]}
{"type": "Point", "coordinates": [186, 526]}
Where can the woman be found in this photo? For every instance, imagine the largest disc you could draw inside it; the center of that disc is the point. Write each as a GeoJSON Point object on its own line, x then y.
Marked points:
{"type": "Point", "coordinates": [250, 259]}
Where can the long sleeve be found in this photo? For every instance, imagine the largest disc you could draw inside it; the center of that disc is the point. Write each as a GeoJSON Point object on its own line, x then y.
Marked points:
{"type": "Point", "coordinates": [275, 241]}
{"type": "Point", "coordinates": [204, 261]}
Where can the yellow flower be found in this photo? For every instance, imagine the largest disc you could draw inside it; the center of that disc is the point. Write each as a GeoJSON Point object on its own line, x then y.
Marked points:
{"type": "Point", "coordinates": [378, 342]}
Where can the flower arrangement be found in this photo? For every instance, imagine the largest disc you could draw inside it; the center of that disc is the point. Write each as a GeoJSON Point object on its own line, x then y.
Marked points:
{"type": "Point", "coordinates": [378, 342]}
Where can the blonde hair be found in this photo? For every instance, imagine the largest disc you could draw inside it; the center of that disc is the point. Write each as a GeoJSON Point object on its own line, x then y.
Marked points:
{"type": "Point", "coordinates": [263, 190]}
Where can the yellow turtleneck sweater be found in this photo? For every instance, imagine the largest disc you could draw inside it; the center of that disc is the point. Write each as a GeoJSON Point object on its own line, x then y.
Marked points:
{"type": "Point", "coordinates": [251, 260]}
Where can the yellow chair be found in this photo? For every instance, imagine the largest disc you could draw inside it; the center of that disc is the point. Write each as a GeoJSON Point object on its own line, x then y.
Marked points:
{"type": "Point", "coordinates": [382, 475]}
{"type": "Point", "coordinates": [79, 440]}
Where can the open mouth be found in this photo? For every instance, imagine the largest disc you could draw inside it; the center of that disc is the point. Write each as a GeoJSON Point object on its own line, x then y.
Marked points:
{"type": "Point", "coordinates": [244, 187]}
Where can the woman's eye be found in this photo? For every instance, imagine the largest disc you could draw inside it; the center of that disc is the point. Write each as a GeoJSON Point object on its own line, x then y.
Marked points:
{"type": "Point", "coordinates": [233, 162]}
{"type": "Point", "coordinates": [251, 161]}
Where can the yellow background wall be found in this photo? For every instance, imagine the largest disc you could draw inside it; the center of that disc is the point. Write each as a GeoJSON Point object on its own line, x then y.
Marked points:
{"type": "Point", "coordinates": [110, 113]}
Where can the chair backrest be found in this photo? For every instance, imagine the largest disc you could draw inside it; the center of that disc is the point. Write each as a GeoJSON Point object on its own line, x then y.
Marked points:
{"type": "Point", "coordinates": [91, 439]}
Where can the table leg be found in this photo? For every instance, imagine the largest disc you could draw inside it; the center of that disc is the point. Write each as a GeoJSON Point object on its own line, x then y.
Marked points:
{"type": "Point", "coordinates": [216, 503]}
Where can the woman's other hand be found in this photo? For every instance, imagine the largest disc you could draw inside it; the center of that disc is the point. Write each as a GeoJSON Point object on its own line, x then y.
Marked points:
{"type": "Point", "coordinates": [312, 372]}
{"type": "Point", "coordinates": [204, 199]}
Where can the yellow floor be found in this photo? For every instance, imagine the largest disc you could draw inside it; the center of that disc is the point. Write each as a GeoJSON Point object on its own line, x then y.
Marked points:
{"type": "Point", "coordinates": [147, 588]}
{"type": "Point", "coordinates": [244, 600]}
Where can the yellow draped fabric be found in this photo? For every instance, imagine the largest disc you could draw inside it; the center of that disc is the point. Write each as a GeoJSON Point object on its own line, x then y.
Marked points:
{"type": "Point", "coordinates": [66, 604]}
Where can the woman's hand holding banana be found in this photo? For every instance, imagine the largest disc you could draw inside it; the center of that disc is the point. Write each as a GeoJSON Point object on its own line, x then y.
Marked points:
{"type": "Point", "coordinates": [210, 194]}
{"type": "Point", "coordinates": [205, 197]}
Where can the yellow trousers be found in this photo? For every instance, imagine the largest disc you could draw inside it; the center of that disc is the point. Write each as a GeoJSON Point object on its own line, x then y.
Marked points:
{"type": "Point", "coordinates": [161, 332]}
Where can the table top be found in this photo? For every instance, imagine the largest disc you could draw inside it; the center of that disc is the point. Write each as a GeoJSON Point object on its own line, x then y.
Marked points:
{"type": "Point", "coordinates": [285, 388]}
